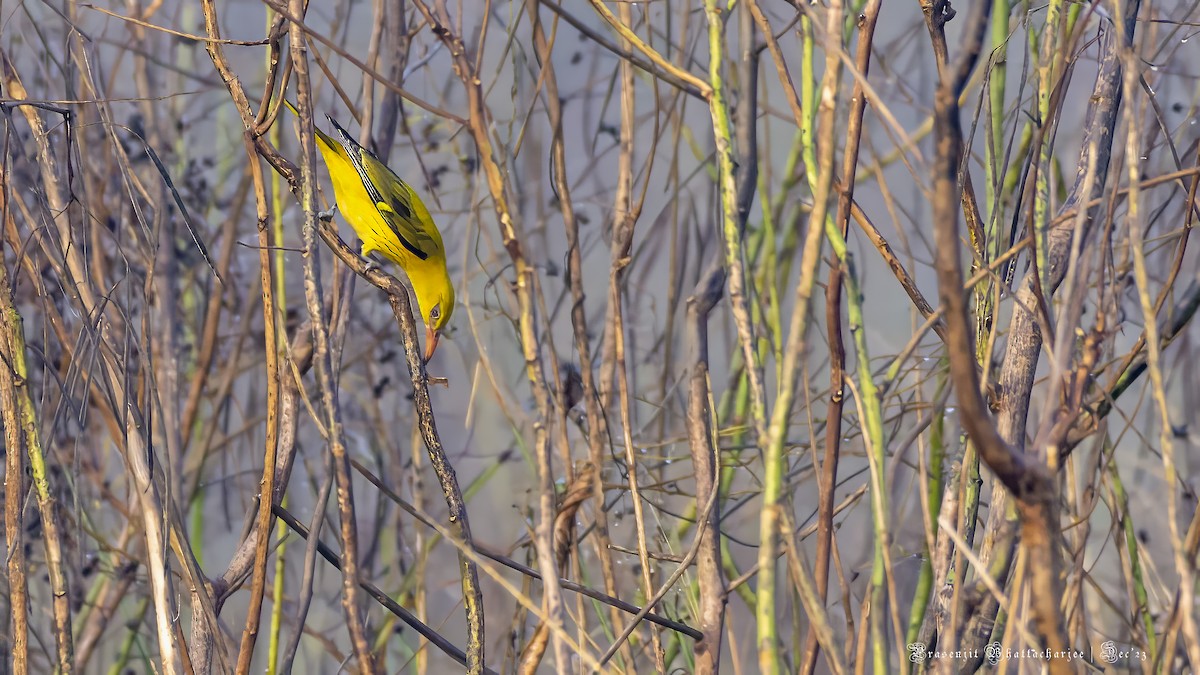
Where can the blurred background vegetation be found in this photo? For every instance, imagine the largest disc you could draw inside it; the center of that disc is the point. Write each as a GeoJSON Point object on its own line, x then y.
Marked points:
{"type": "Point", "coordinates": [710, 358]}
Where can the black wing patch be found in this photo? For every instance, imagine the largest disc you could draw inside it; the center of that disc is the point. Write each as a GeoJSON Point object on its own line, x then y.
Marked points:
{"type": "Point", "coordinates": [355, 151]}
{"type": "Point", "coordinates": [412, 248]}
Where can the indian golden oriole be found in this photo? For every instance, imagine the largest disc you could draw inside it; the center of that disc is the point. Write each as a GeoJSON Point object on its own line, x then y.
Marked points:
{"type": "Point", "coordinates": [391, 219]}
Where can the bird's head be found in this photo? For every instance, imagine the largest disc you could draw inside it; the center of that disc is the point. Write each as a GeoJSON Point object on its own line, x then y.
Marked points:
{"type": "Point", "coordinates": [436, 303]}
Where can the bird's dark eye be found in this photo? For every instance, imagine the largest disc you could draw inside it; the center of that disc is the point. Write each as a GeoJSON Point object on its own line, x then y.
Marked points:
{"type": "Point", "coordinates": [435, 313]}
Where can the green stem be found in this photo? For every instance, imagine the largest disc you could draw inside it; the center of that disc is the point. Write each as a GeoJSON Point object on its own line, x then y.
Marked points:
{"type": "Point", "coordinates": [1135, 561]}
{"type": "Point", "coordinates": [934, 486]}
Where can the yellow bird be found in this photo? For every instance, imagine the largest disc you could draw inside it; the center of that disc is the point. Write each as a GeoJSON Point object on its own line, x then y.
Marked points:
{"type": "Point", "coordinates": [390, 218]}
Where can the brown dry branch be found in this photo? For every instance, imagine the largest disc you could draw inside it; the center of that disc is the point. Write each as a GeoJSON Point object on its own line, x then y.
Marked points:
{"type": "Point", "coordinates": [376, 593]}
{"type": "Point", "coordinates": [576, 494]}
{"type": "Point", "coordinates": [704, 511]}
{"type": "Point", "coordinates": [159, 520]}
{"type": "Point", "coordinates": [16, 649]}
{"type": "Point", "coordinates": [1134, 113]}
{"type": "Point", "coordinates": [242, 562]}
{"type": "Point", "coordinates": [424, 410]}
{"type": "Point", "coordinates": [589, 395]}
{"type": "Point", "coordinates": [1026, 477]}
{"type": "Point", "coordinates": [1016, 376]}
{"type": "Point", "coordinates": [14, 391]}
{"type": "Point", "coordinates": [460, 525]}
{"type": "Point", "coordinates": [266, 494]}
{"type": "Point", "coordinates": [331, 415]}
{"type": "Point", "coordinates": [833, 320]}
{"type": "Point", "coordinates": [701, 437]}
{"type": "Point", "coordinates": [478, 124]}
{"type": "Point", "coordinates": [614, 361]}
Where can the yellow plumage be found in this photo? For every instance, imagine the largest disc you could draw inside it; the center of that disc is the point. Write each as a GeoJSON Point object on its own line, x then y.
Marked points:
{"type": "Point", "coordinates": [391, 219]}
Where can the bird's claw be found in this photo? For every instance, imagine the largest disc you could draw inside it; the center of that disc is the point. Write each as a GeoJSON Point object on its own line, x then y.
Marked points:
{"type": "Point", "coordinates": [327, 216]}
{"type": "Point", "coordinates": [369, 256]}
